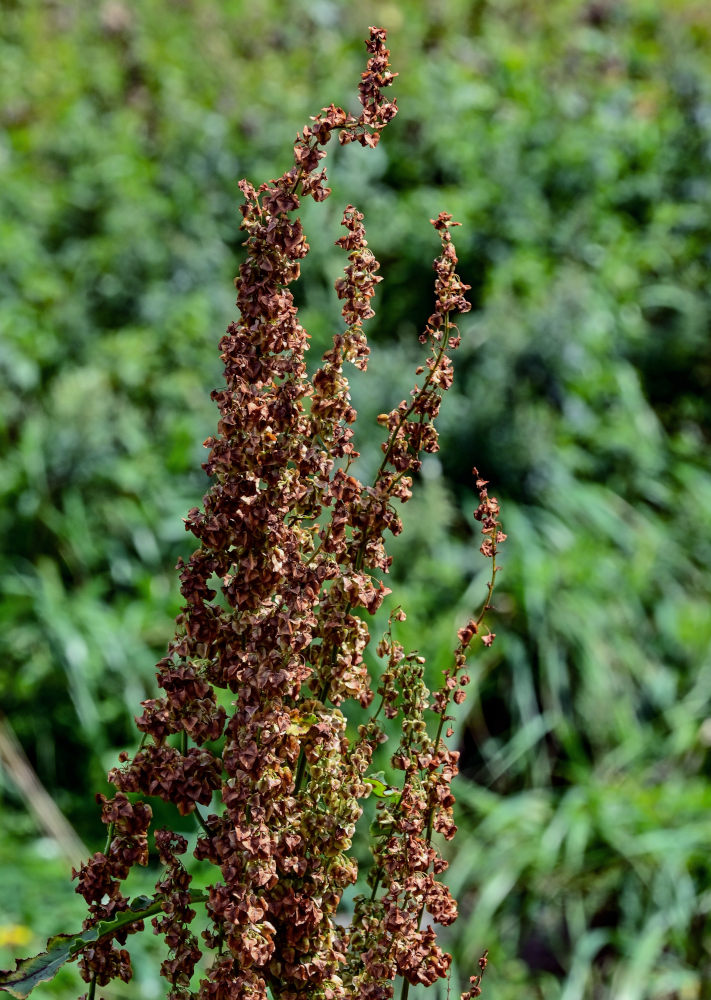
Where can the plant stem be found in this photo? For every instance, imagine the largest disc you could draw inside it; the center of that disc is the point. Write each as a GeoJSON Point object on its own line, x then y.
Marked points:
{"type": "Point", "coordinates": [109, 838]}
{"type": "Point", "coordinates": [300, 769]}
{"type": "Point", "coordinates": [130, 916]}
{"type": "Point", "coordinates": [413, 404]}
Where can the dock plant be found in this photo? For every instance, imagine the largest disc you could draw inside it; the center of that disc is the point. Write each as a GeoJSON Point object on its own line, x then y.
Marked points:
{"type": "Point", "coordinates": [249, 734]}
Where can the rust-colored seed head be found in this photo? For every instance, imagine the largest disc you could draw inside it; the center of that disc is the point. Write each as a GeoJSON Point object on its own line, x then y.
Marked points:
{"type": "Point", "coordinates": [289, 565]}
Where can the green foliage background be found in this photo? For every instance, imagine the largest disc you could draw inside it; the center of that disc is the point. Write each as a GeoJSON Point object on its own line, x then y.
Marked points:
{"type": "Point", "coordinates": [573, 141]}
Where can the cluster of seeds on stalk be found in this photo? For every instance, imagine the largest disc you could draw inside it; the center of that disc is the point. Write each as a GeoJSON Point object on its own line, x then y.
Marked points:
{"type": "Point", "coordinates": [276, 597]}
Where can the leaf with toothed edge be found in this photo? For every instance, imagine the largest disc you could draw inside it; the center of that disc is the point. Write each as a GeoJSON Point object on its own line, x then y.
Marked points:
{"type": "Point", "coordinates": [28, 972]}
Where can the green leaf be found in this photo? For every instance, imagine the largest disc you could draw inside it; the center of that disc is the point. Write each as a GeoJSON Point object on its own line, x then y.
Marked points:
{"type": "Point", "coordinates": [381, 790]}
{"type": "Point", "coordinates": [140, 903]}
{"type": "Point", "coordinates": [28, 972]}
{"type": "Point", "coordinates": [300, 724]}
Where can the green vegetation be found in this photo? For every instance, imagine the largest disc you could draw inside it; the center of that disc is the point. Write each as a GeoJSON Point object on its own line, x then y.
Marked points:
{"type": "Point", "coordinates": [573, 140]}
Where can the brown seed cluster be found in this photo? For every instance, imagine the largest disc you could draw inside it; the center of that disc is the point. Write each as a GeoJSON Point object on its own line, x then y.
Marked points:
{"type": "Point", "coordinates": [289, 565]}
{"type": "Point", "coordinates": [99, 882]}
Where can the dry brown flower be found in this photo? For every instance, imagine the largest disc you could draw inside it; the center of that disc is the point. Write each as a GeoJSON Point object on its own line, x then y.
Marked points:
{"type": "Point", "coordinates": [295, 547]}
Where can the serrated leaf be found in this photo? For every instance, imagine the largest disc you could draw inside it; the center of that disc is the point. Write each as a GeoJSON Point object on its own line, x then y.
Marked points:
{"type": "Point", "coordinates": [28, 972]}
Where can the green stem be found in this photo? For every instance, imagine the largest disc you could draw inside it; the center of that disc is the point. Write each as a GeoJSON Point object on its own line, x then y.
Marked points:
{"type": "Point", "coordinates": [198, 815]}
{"type": "Point", "coordinates": [138, 912]}
{"type": "Point", "coordinates": [300, 770]}
{"type": "Point", "coordinates": [492, 581]}
{"type": "Point", "coordinates": [413, 404]}
{"type": "Point", "coordinates": [486, 607]}
{"type": "Point", "coordinates": [376, 884]}
{"type": "Point", "coordinates": [323, 694]}
{"type": "Point", "coordinates": [109, 838]}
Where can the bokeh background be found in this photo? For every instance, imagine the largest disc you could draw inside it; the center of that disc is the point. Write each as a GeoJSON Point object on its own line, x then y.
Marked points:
{"type": "Point", "coordinates": [573, 141]}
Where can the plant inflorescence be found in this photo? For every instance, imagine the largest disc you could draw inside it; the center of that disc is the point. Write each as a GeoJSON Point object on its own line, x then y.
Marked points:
{"type": "Point", "coordinates": [289, 566]}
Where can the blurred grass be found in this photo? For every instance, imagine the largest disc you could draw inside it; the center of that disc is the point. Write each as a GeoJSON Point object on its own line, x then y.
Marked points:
{"type": "Point", "coordinates": [573, 140]}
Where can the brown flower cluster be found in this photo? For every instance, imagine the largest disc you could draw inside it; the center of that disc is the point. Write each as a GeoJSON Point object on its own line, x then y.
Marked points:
{"type": "Point", "coordinates": [99, 882]}
{"type": "Point", "coordinates": [173, 888]}
{"type": "Point", "coordinates": [277, 595]}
